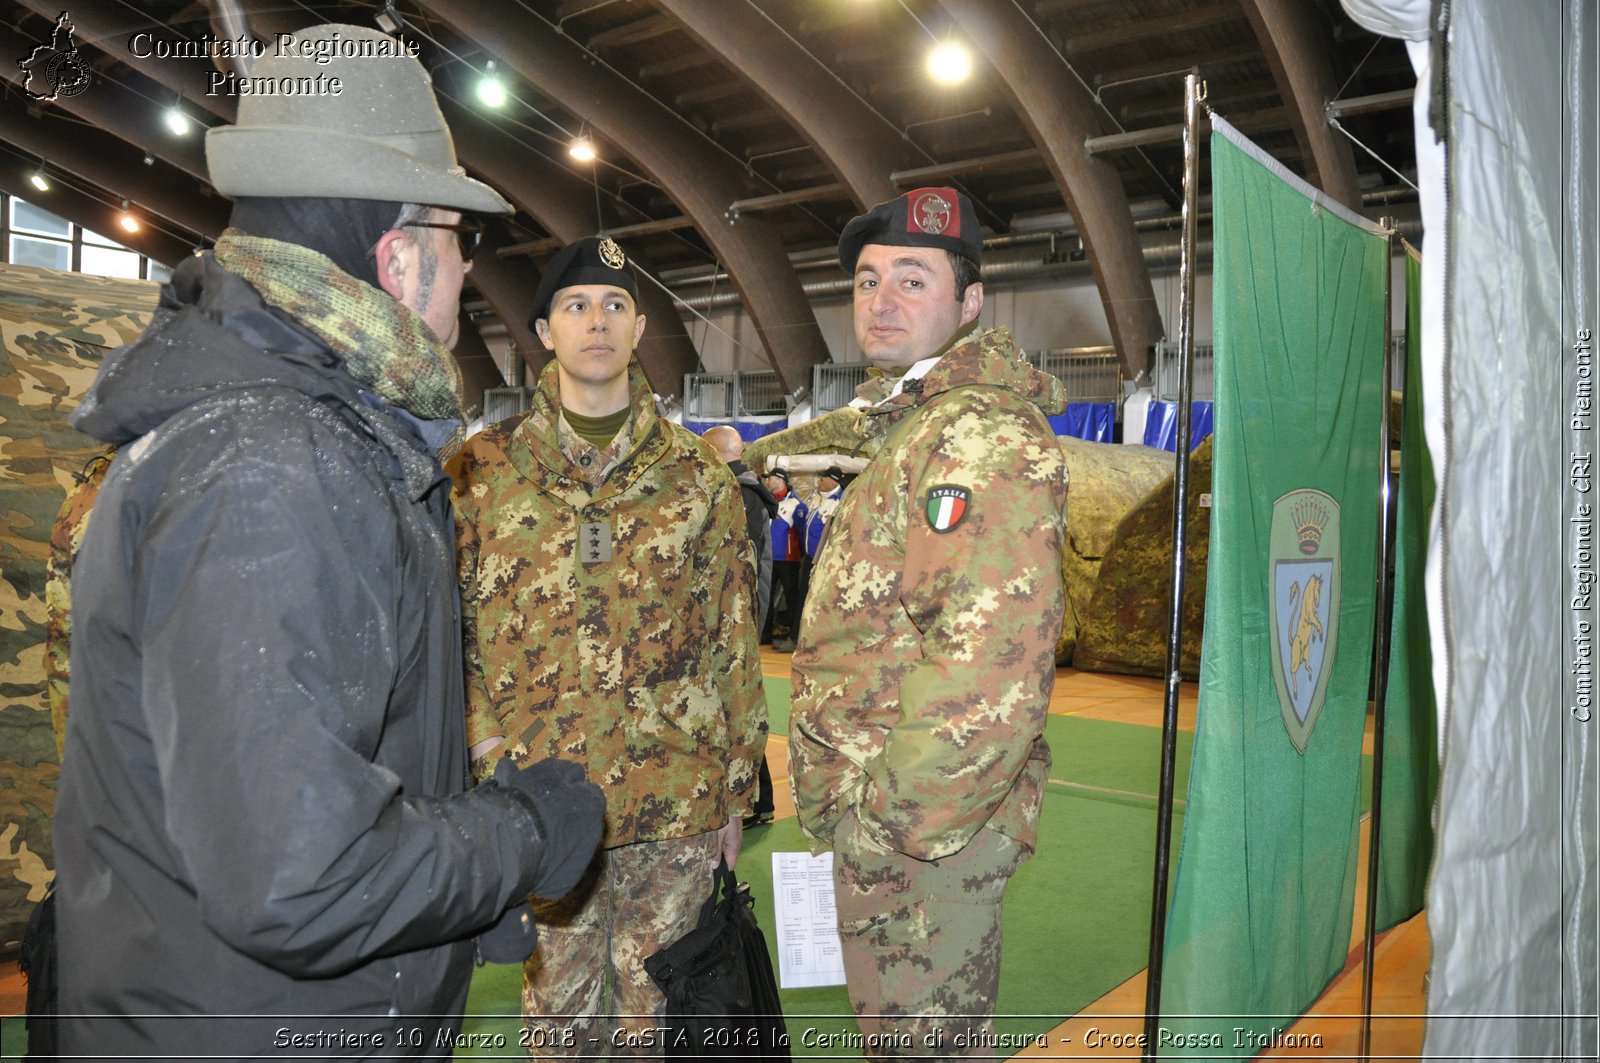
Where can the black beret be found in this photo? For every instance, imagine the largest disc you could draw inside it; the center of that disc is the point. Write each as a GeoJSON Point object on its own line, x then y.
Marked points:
{"type": "Point", "coordinates": [834, 473]}
{"type": "Point", "coordinates": [592, 260]}
{"type": "Point", "coordinates": [923, 217]}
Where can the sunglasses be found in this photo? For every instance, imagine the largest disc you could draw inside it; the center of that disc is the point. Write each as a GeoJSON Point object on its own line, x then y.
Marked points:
{"type": "Point", "coordinates": [468, 233]}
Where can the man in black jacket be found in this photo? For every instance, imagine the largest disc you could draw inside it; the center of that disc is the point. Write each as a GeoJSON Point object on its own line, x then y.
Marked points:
{"type": "Point", "coordinates": [759, 509]}
{"type": "Point", "coordinates": [265, 837]}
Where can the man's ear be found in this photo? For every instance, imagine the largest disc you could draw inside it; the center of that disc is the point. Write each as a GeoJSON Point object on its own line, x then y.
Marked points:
{"type": "Point", "coordinates": [392, 258]}
{"type": "Point", "coordinates": [542, 327]}
{"type": "Point", "coordinates": [971, 302]}
{"type": "Point", "coordinates": [638, 329]}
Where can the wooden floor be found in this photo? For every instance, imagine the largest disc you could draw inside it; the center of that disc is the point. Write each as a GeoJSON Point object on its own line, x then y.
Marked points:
{"type": "Point", "coordinates": [1332, 1027]}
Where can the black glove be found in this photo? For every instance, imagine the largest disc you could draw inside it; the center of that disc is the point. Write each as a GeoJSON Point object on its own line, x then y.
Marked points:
{"type": "Point", "coordinates": [571, 813]}
{"type": "Point", "coordinates": [512, 939]}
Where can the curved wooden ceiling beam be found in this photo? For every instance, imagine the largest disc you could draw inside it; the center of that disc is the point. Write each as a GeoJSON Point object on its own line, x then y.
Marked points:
{"type": "Point", "coordinates": [856, 143]}
{"type": "Point", "coordinates": [479, 371]}
{"type": "Point", "coordinates": [118, 111]}
{"type": "Point", "coordinates": [95, 216]}
{"type": "Point", "coordinates": [700, 179]}
{"type": "Point", "coordinates": [1060, 116]}
{"type": "Point", "coordinates": [564, 205]}
{"type": "Point", "coordinates": [1296, 49]}
{"type": "Point", "coordinates": [508, 284]}
{"type": "Point", "coordinates": [110, 164]}
{"type": "Point", "coordinates": [93, 26]}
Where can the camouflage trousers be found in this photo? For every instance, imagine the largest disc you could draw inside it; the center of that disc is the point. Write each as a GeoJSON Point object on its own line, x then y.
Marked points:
{"type": "Point", "coordinates": [921, 942]}
{"type": "Point", "coordinates": [585, 993]}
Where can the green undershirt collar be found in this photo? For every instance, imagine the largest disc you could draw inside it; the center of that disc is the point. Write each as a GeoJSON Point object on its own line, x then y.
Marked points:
{"type": "Point", "coordinates": [597, 431]}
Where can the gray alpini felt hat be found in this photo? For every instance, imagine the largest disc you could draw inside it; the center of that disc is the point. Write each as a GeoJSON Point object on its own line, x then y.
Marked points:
{"type": "Point", "coordinates": [381, 136]}
{"type": "Point", "coordinates": [923, 217]}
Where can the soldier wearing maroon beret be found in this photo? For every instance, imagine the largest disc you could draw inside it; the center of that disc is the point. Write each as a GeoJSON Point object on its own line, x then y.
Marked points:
{"type": "Point", "coordinates": [924, 670]}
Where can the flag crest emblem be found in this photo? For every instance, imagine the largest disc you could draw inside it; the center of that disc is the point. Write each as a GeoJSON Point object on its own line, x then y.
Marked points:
{"type": "Point", "coordinates": [1304, 570]}
{"type": "Point", "coordinates": [947, 505]}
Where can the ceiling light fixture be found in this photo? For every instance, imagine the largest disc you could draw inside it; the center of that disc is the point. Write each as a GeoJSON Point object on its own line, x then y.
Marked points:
{"type": "Point", "coordinates": [491, 90]}
{"type": "Point", "coordinates": [949, 63]}
{"type": "Point", "coordinates": [388, 19]}
{"type": "Point", "coordinates": [39, 181]}
{"type": "Point", "coordinates": [127, 220]}
{"type": "Point", "coordinates": [178, 123]}
{"type": "Point", "coordinates": [582, 149]}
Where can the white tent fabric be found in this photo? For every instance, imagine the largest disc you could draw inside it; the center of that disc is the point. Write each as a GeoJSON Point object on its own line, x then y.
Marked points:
{"type": "Point", "coordinates": [1409, 21]}
{"type": "Point", "coordinates": [1511, 904]}
{"type": "Point", "coordinates": [1512, 899]}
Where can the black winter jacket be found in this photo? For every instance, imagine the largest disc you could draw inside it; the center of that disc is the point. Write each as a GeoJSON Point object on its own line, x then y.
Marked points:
{"type": "Point", "coordinates": [262, 807]}
{"type": "Point", "coordinates": [759, 509]}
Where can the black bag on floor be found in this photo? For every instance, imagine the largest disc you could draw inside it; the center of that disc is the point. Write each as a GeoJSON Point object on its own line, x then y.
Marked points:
{"type": "Point", "coordinates": [722, 999]}
{"type": "Point", "coordinates": [38, 966]}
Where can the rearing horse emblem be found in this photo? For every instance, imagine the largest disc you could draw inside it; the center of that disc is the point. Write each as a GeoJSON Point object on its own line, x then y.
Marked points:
{"type": "Point", "coordinates": [1306, 626]}
{"type": "Point", "coordinates": [1304, 581]}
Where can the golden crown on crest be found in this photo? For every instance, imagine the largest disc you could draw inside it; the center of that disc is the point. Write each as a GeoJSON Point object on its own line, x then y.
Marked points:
{"type": "Point", "coordinates": [1310, 517]}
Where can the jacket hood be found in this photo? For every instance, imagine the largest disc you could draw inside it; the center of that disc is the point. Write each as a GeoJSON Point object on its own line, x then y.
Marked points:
{"type": "Point", "coordinates": [211, 333]}
{"type": "Point", "coordinates": [747, 478]}
{"type": "Point", "coordinates": [989, 357]}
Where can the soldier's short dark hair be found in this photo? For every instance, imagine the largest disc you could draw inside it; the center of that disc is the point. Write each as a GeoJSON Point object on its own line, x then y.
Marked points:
{"type": "Point", "coordinates": [967, 273]}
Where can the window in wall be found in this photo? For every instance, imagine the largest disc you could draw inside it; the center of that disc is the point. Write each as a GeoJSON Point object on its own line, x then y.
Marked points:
{"type": "Point", "coordinates": [109, 262]}
{"type": "Point", "coordinates": [37, 237]}
{"type": "Point", "coordinates": [50, 254]}
{"type": "Point", "coordinates": [25, 217]}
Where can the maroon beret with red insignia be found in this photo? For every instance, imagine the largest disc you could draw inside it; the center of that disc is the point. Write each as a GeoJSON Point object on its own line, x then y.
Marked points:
{"type": "Point", "coordinates": [923, 217]}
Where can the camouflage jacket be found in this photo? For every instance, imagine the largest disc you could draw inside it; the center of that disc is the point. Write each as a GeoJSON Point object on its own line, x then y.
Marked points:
{"type": "Point", "coordinates": [607, 608]}
{"type": "Point", "coordinates": [66, 535]}
{"type": "Point", "coordinates": [927, 656]}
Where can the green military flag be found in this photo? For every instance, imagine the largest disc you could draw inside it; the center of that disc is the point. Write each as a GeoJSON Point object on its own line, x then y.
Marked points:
{"type": "Point", "coordinates": [1410, 741]}
{"type": "Point", "coordinates": [1265, 887]}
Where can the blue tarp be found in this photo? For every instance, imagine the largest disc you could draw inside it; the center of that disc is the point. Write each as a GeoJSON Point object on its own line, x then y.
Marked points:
{"type": "Point", "coordinates": [1161, 425]}
{"type": "Point", "coordinates": [749, 431]}
{"type": "Point", "coordinates": [1094, 421]}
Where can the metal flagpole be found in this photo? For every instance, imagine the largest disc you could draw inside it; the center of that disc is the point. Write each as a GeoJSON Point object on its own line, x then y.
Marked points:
{"type": "Point", "coordinates": [1193, 98]}
{"type": "Point", "coordinates": [1380, 651]}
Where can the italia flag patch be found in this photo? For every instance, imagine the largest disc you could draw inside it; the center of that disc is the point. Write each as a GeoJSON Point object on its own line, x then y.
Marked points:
{"type": "Point", "coordinates": [947, 504]}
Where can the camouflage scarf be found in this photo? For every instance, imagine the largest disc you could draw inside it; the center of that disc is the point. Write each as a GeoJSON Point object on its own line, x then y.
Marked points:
{"type": "Point", "coordinates": [387, 347]}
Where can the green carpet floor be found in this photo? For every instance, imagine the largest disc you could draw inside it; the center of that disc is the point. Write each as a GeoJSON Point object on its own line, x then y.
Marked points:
{"type": "Point", "coordinates": [777, 704]}
{"type": "Point", "coordinates": [1076, 918]}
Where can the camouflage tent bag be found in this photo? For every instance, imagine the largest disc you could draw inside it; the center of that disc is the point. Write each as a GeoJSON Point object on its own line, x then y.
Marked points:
{"type": "Point", "coordinates": [722, 998]}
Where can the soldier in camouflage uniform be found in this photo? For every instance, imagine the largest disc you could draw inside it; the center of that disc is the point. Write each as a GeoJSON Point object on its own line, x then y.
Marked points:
{"type": "Point", "coordinates": [65, 537]}
{"type": "Point", "coordinates": [925, 666]}
{"type": "Point", "coordinates": [609, 587]}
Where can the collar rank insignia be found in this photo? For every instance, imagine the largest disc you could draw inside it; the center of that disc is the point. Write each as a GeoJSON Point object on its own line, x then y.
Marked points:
{"type": "Point", "coordinates": [947, 505]}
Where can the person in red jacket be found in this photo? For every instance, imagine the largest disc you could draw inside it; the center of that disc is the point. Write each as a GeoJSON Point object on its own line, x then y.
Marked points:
{"type": "Point", "coordinates": [788, 559]}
